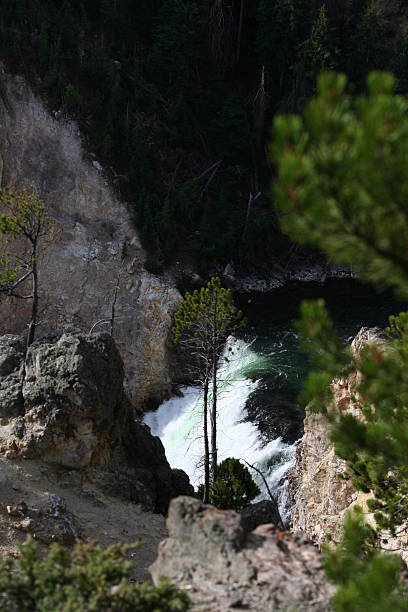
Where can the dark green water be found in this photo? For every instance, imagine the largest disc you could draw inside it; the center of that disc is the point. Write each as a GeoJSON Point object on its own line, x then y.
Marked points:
{"type": "Point", "coordinates": [274, 407]}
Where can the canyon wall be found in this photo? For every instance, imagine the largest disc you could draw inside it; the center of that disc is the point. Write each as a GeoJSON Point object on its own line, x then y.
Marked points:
{"type": "Point", "coordinates": [319, 493]}
{"type": "Point", "coordinates": [78, 273]}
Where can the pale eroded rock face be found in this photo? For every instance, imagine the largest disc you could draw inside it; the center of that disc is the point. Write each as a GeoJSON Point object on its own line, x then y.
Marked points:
{"type": "Point", "coordinates": [222, 568]}
{"type": "Point", "coordinates": [320, 497]}
{"type": "Point", "coordinates": [78, 274]}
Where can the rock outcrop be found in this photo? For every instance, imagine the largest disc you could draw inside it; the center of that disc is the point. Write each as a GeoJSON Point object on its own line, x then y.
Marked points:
{"type": "Point", "coordinates": [209, 554]}
{"type": "Point", "coordinates": [319, 494]}
{"type": "Point", "coordinates": [78, 273]}
{"type": "Point", "coordinates": [65, 405]}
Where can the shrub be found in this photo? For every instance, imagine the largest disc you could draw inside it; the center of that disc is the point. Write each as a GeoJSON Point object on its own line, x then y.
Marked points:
{"type": "Point", "coordinates": [234, 487]}
{"type": "Point", "coordinates": [85, 578]}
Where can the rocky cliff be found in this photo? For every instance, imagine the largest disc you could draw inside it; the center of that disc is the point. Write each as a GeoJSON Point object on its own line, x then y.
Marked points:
{"type": "Point", "coordinates": [74, 463]}
{"type": "Point", "coordinates": [78, 272]}
{"type": "Point", "coordinates": [65, 406]}
{"type": "Point", "coordinates": [209, 554]}
{"type": "Point", "coordinates": [318, 491]}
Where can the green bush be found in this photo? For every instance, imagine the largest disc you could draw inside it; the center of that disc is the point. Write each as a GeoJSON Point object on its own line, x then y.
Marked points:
{"type": "Point", "coordinates": [85, 578]}
{"type": "Point", "coordinates": [234, 487]}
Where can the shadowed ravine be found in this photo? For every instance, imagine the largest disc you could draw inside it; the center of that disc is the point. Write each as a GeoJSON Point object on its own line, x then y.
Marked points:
{"type": "Point", "coordinates": [259, 417]}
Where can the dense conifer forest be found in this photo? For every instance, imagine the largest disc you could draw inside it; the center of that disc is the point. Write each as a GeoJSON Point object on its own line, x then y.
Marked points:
{"type": "Point", "coordinates": [176, 98]}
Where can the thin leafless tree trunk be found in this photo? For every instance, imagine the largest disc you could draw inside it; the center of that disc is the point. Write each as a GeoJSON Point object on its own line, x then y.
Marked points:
{"type": "Point", "coordinates": [34, 304]}
{"type": "Point", "coordinates": [215, 357]}
{"type": "Point", "coordinates": [214, 453]}
{"type": "Point", "coordinates": [272, 498]}
{"type": "Point", "coordinates": [206, 445]}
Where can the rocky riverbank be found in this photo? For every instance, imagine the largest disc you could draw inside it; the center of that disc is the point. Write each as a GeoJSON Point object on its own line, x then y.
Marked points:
{"type": "Point", "coordinates": [304, 267]}
{"type": "Point", "coordinates": [314, 271]}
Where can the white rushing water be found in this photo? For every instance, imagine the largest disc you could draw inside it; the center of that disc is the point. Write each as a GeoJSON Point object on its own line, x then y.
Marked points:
{"type": "Point", "coordinates": [178, 423]}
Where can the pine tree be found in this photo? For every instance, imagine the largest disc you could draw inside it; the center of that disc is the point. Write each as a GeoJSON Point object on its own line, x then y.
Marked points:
{"type": "Point", "coordinates": [342, 186]}
{"type": "Point", "coordinates": [234, 488]}
{"type": "Point", "coordinates": [202, 324]}
{"type": "Point", "coordinates": [26, 229]}
{"type": "Point", "coordinates": [367, 580]}
{"type": "Point", "coordinates": [315, 54]}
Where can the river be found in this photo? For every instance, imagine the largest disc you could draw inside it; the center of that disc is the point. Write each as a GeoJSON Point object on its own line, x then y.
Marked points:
{"type": "Point", "coordinates": [259, 418]}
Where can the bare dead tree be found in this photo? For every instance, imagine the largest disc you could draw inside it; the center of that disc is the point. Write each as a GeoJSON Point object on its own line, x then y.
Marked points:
{"type": "Point", "coordinates": [272, 498]}
{"type": "Point", "coordinates": [213, 166]}
{"type": "Point", "coordinates": [258, 102]}
{"type": "Point", "coordinates": [213, 169]}
{"type": "Point", "coordinates": [111, 320]}
{"type": "Point", "coordinates": [259, 106]}
{"type": "Point", "coordinates": [251, 200]}
{"type": "Point", "coordinates": [96, 324]}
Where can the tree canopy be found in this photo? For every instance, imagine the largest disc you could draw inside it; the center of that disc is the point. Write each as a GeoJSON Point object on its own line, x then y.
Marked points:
{"type": "Point", "coordinates": [175, 98]}
{"type": "Point", "coordinates": [342, 186]}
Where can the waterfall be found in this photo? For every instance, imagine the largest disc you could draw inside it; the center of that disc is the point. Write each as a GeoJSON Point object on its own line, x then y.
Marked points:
{"type": "Point", "coordinates": [178, 423]}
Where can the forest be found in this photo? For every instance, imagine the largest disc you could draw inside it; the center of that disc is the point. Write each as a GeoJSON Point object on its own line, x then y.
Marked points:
{"type": "Point", "coordinates": [176, 98]}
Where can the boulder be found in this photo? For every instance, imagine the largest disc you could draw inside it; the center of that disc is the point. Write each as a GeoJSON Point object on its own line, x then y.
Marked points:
{"type": "Point", "coordinates": [65, 405]}
{"type": "Point", "coordinates": [209, 554]}
{"type": "Point", "coordinates": [261, 513]}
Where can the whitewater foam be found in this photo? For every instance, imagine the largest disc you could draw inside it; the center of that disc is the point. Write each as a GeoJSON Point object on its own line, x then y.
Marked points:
{"type": "Point", "coordinates": [178, 423]}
